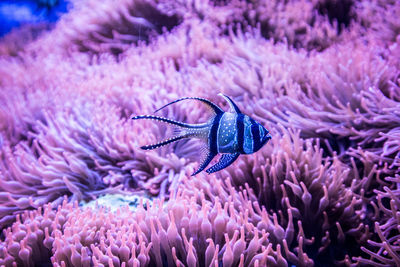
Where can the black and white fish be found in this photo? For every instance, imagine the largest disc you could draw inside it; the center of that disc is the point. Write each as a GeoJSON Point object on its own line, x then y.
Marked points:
{"type": "Point", "coordinates": [229, 133]}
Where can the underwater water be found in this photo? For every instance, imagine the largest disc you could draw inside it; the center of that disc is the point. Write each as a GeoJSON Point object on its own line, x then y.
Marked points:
{"type": "Point", "coordinates": [14, 14]}
{"type": "Point", "coordinates": [76, 189]}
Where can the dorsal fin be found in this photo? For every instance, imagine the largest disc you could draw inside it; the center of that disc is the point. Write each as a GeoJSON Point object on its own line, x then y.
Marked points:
{"type": "Point", "coordinates": [214, 107]}
{"type": "Point", "coordinates": [232, 104]}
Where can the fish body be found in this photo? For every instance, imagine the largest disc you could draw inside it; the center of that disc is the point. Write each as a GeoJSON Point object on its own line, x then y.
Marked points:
{"type": "Point", "coordinates": [227, 133]}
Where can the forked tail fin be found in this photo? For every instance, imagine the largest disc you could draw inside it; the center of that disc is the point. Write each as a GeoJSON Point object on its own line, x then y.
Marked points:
{"type": "Point", "coordinates": [180, 130]}
{"type": "Point", "coordinates": [162, 143]}
{"type": "Point", "coordinates": [157, 118]}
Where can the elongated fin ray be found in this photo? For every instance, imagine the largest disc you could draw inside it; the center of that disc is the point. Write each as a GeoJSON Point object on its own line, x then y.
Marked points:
{"type": "Point", "coordinates": [225, 161]}
{"type": "Point", "coordinates": [162, 143]}
{"type": "Point", "coordinates": [204, 164]}
{"type": "Point", "coordinates": [181, 124]}
{"type": "Point", "coordinates": [214, 107]}
{"type": "Point", "coordinates": [232, 104]}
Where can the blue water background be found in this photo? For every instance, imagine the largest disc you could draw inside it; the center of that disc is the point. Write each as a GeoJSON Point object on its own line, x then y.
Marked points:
{"type": "Point", "coordinates": [15, 13]}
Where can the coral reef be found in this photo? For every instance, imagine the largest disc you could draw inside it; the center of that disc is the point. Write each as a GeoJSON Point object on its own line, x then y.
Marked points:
{"type": "Point", "coordinates": [322, 76]}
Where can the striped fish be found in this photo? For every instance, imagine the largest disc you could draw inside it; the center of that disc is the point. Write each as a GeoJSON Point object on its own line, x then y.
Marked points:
{"type": "Point", "coordinates": [229, 133]}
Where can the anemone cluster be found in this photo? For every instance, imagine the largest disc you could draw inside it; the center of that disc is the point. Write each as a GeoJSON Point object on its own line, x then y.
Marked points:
{"type": "Point", "coordinates": [323, 76]}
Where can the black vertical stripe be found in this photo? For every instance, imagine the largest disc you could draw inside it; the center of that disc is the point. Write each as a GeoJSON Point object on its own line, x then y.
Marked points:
{"type": "Point", "coordinates": [255, 131]}
{"type": "Point", "coordinates": [213, 134]}
{"type": "Point", "coordinates": [240, 131]}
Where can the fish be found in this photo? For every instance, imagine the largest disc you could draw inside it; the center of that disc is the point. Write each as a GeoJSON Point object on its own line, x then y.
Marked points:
{"type": "Point", "coordinates": [229, 133]}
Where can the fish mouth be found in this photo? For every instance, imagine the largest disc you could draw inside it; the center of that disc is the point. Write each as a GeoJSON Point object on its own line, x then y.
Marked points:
{"type": "Point", "coordinates": [266, 138]}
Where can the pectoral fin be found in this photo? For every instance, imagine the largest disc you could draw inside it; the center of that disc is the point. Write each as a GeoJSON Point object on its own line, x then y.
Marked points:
{"type": "Point", "coordinates": [225, 161]}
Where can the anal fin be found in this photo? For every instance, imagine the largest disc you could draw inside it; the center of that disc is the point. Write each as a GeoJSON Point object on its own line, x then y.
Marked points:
{"type": "Point", "coordinates": [225, 161]}
{"type": "Point", "coordinates": [205, 162]}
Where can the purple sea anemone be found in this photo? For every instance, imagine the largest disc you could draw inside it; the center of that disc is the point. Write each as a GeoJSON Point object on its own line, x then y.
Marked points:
{"type": "Point", "coordinates": [322, 76]}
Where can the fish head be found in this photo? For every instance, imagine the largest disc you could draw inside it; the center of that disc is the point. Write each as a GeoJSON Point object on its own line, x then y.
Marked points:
{"type": "Point", "coordinates": [255, 135]}
{"type": "Point", "coordinates": [263, 137]}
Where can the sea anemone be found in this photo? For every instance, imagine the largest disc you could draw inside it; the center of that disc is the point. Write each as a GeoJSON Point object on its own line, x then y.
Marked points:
{"type": "Point", "coordinates": [323, 191]}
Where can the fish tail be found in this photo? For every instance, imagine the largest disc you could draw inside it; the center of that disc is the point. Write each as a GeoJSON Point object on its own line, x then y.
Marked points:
{"type": "Point", "coordinates": [162, 143]}
{"type": "Point", "coordinates": [157, 118]}
{"type": "Point", "coordinates": [210, 104]}
{"type": "Point", "coordinates": [181, 130]}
